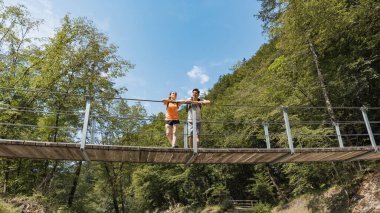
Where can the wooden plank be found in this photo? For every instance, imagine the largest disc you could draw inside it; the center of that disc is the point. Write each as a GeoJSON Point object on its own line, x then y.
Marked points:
{"type": "Point", "coordinates": [115, 155]}
{"type": "Point", "coordinates": [342, 156]}
{"type": "Point", "coordinates": [8, 152]}
{"type": "Point", "coordinates": [161, 156]}
{"type": "Point", "coordinates": [73, 152]}
{"type": "Point", "coordinates": [143, 156]}
{"type": "Point", "coordinates": [23, 152]}
{"type": "Point", "coordinates": [210, 158]}
{"type": "Point", "coordinates": [258, 157]}
{"type": "Point", "coordinates": [167, 157]}
{"type": "Point", "coordinates": [239, 158]}
{"type": "Point", "coordinates": [151, 157]}
{"type": "Point", "coordinates": [131, 156]}
{"type": "Point", "coordinates": [372, 155]}
{"type": "Point", "coordinates": [228, 159]}
{"type": "Point", "coordinates": [180, 157]}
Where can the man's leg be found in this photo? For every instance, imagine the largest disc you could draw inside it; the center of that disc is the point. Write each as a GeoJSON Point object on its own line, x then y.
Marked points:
{"type": "Point", "coordinates": [190, 134]}
{"type": "Point", "coordinates": [198, 132]}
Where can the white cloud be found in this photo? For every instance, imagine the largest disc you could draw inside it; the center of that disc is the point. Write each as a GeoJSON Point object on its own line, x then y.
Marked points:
{"type": "Point", "coordinates": [198, 74]}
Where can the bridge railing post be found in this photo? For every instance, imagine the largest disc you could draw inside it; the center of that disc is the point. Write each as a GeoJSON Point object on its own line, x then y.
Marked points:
{"type": "Point", "coordinates": [185, 145]}
{"type": "Point", "coordinates": [85, 127]}
{"type": "Point", "coordinates": [340, 140]}
{"type": "Point", "coordinates": [92, 141]}
{"type": "Point", "coordinates": [266, 132]}
{"type": "Point", "coordinates": [194, 114]}
{"type": "Point", "coordinates": [288, 131]}
{"type": "Point", "coordinates": [368, 125]}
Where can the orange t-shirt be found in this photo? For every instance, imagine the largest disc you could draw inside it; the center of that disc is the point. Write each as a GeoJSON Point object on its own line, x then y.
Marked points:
{"type": "Point", "coordinates": [172, 111]}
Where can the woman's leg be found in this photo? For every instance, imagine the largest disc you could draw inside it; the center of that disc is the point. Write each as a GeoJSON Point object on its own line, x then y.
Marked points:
{"type": "Point", "coordinates": [169, 133]}
{"type": "Point", "coordinates": [175, 128]}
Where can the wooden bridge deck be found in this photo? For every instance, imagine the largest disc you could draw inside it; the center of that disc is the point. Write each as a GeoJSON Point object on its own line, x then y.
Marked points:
{"type": "Point", "coordinates": [71, 151]}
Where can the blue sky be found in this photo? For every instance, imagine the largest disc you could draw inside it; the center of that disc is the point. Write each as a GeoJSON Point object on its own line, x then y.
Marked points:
{"type": "Point", "coordinates": [174, 44]}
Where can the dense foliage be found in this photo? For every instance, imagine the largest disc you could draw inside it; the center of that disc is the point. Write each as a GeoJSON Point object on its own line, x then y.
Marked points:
{"type": "Point", "coordinates": [322, 54]}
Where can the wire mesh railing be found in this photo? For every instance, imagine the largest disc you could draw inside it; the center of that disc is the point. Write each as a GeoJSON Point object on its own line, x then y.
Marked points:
{"type": "Point", "coordinates": [92, 122]}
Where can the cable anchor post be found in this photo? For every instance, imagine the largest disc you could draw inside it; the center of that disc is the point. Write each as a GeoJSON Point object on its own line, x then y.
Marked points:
{"type": "Point", "coordinates": [266, 132]}
{"type": "Point", "coordinates": [338, 134]}
{"type": "Point", "coordinates": [185, 145]}
{"type": "Point", "coordinates": [368, 125]}
{"type": "Point", "coordinates": [288, 130]}
{"type": "Point", "coordinates": [85, 127]}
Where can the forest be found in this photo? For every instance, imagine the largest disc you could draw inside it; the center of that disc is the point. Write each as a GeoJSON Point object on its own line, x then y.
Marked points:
{"type": "Point", "coordinates": [322, 61]}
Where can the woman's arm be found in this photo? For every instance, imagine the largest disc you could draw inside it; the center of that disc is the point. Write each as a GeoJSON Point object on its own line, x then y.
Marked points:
{"type": "Point", "coordinates": [165, 101]}
{"type": "Point", "coordinates": [183, 101]}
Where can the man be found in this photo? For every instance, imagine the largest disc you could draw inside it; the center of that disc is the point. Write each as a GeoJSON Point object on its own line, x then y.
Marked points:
{"type": "Point", "coordinates": [194, 101]}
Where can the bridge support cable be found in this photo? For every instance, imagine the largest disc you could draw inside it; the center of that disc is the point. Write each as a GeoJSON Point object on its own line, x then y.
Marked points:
{"type": "Point", "coordinates": [369, 130]}
{"type": "Point", "coordinates": [288, 131]}
{"type": "Point", "coordinates": [340, 140]}
{"type": "Point", "coordinates": [85, 127]}
{"type": "Point", "coordinates": [266, 132]}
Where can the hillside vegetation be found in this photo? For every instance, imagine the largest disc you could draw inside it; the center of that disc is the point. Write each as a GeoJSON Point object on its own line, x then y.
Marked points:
{"type": "Point", "coordinates": [322, 55]}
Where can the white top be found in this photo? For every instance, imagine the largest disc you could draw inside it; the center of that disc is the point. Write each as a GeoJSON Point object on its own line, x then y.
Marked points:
{"type": "Point", "coordinates": [190, 112]}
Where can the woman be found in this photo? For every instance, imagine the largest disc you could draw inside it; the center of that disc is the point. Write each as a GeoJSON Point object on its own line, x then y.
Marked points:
{"type": "Point", "coordinates": [172, 118]}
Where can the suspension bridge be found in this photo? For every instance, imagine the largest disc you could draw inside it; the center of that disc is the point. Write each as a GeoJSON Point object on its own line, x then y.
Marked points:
{"type": "Point", "coordinates": [87, 150]}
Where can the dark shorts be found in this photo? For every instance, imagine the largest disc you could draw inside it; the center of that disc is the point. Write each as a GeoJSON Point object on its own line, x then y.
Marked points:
{"type": "Point", "coordinates": [172, 122]}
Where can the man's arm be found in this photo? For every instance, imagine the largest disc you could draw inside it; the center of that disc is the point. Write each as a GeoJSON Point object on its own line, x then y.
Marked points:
{"type": "Point", "coordinates": [183, 101]}
{"type": "Point", "coordinates": [204, 102]}
{"type": "Point", "coordinates": [197, 102]}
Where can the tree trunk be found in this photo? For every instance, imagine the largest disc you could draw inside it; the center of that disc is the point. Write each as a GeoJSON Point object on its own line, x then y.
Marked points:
{"type": "Point", "coordinates": [49, 178]}
{"type": "Point", "coordinates": [280, 192]}
{"type": "Point", "coordinates": [74, 186]}
{"type": "Point", "coordinates": [6, 176]}
{"type": "Point", "coordinates": [122, 197]}
{"type": "Point", "coordinates": [322, 83]}
{"type": "Point", "coordinates": [112, 181]}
